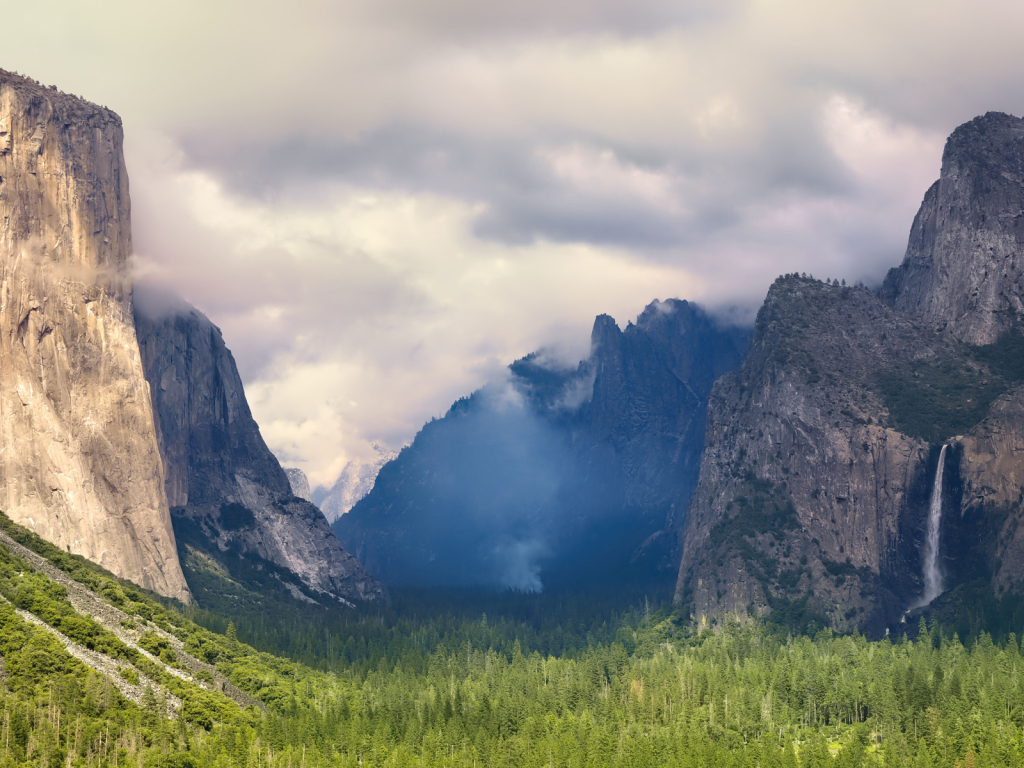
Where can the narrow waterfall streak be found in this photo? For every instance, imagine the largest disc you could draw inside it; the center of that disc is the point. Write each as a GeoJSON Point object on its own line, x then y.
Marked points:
{"type": "Point", "coordinates": [932, 574]}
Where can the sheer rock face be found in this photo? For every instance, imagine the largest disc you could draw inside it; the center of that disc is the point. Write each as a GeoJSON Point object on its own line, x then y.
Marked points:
{"type": "Point", "coordinates": [651, 384]}
{"type": "Point", "coordinates": [222, 481]}
{"type": "Point", "coordinates": [990, 463]}
{"type": "Point", "coordinates": [964, 266]}
{"type": "Point", "coordinates": [79, 460]}
{"type": "Point", "coordinates": [803, 428]}
{"type": "Point", "coordinates": [804, 491]}
{"type": "Point", "coordinates": [563, 476]}
{"type": "Point", "coordinates": [299, 483]}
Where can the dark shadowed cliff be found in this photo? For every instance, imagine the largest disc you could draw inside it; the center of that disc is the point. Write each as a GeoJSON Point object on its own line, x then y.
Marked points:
{"type": "Point", "coordinates": [227, 491]}
{"type": "Point", "coordinates": [558, 476]}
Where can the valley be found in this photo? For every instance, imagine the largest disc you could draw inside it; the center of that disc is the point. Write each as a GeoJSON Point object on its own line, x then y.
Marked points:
{"type": "Point", "coordinates": [702, 544]}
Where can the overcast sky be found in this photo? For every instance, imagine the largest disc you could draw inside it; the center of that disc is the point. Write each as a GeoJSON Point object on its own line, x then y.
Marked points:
{"type": "Point", "coordinates": [383, 202]}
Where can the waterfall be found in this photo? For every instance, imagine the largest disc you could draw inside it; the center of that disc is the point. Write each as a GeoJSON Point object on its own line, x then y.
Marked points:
{"type": "Point", "coordinates": [932, 575]}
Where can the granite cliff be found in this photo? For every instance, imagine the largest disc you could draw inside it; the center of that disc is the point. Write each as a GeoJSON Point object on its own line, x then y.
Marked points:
{"type": "Point", "coordinates": [299, 483]}
{"type": "Point", "coordinates": [227, 491]}
{"type": "Point", "coordinates": [804, 484]}
{"type": "Point", "coordinates": [79, 457]}
{"type": "Point", "coordinates": [822, 450]}
{"type": "Point", "coordinates": [557, 476]}
{"type": "Point", "coordinates": [964, 266]}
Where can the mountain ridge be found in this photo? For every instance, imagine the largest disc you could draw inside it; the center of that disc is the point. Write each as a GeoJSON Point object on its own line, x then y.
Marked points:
{"type": "Point", "coordinates": [226, 489]}
{"type": "Point", "coordinates": [843, 387]}
{"type": "Point", "coordinates": [573, 472]}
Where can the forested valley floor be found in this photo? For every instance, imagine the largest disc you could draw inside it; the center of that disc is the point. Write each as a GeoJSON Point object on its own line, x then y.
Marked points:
{"type": "Point", "coordinates": [470, 679]}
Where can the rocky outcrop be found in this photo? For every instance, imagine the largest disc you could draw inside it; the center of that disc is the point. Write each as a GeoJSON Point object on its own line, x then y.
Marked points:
{"type": "Point", "coordinates": [822, 450]}
{"type": "Point", "coordinates": [558, 476]}
{"type": "Point", "coordinates": [225, 487]}
{"type": "Point", "coordinates": [355, 481]}
{"type": "Point", "coordinates": [964, 266]}
{"type": "Point", "coordinates": [299, 483]}
{"type": "Point", "coordinates": [79, 459]}
{"type": "Point", "coordinates": [807, 492]}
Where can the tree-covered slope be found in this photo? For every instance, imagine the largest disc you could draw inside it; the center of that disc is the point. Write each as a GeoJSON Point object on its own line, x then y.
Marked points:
{"type": "Point", "coordinates": [535, 681]}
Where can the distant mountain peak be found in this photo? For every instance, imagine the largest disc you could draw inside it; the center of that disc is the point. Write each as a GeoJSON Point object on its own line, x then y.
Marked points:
{"type": "Point", "coordinates": [355, 481]}
{"type": "Point", "coordinates": [299, 483]}
{"type": "Point", "coordinates": [571, 485]}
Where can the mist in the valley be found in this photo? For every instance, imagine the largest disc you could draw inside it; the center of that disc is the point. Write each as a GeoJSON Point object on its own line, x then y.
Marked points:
{"type": "Point", "coordinates": [501, 502]}
{"type": "Point", "coordinates": [496, 472]}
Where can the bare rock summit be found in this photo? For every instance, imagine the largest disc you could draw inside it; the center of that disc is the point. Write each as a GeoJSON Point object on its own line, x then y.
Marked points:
{"type": "Point", "coordinates": [964, 266]}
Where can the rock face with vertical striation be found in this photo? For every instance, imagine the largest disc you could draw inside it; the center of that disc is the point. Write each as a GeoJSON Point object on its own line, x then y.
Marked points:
{"type": "Point", "coordinates": [990, 462]}
{"type": "Point", "coordinates": [964, 266]}
{"type": "Point", "coordinates": [79, 459]}
{"type": "Point", "coordinates": [807, 493]}
{"type": "Point", "coordinates": [225, 487]}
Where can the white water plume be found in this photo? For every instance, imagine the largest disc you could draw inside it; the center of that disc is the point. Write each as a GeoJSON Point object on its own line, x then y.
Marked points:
{"type": "Point", "coordinates": [932, 573]}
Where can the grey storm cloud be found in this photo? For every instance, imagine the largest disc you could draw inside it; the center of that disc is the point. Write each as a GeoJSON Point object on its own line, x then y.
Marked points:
{"type": "Point", "coordinates": [464, 19]}
{"type": "Point", "coordinates": [525, 197]}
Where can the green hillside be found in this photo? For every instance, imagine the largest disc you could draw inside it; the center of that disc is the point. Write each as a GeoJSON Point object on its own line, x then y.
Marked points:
{"type": "Point", "coordinates": [534, 681]}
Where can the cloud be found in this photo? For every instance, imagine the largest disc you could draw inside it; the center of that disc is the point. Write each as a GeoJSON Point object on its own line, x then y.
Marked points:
{"type": "Point", "coordinates": [577, 392]}
{"type": "Point", "coordinates": [383, 203]}
{"type": "Point", "coordinates": [359, 318]}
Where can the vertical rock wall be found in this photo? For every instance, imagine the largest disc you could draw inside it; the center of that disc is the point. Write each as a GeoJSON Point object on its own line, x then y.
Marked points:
{"type": "Point", "coordinates": [803, 489]}
{"type": "Point", "coordinates": [226, 489]}
{"type": "Point", "coordinates": [79, 460]}
{"type": "Point", "coordinates": [964, 266]}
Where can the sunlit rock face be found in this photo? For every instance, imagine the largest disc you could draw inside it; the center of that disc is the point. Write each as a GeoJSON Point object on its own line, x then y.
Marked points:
{"type": "Point", "coordinates": [964, 266]}
{"type": "Point", "coordinates": [558, 477]}
{"type": "Point", "coordinates": [225, 487]}
{"type": "Point", "coordinates": [79, 459]}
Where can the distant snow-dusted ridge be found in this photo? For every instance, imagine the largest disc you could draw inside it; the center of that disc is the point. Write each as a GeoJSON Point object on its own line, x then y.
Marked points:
{"type": "Point", "coordinates": [356, 480]}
